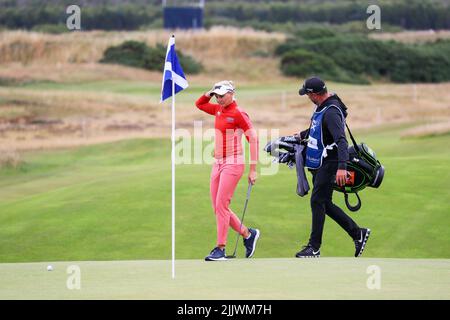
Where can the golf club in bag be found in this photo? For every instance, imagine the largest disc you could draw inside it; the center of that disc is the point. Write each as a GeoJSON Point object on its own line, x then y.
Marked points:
{"type": "Point", "coordinates": [242, 221]}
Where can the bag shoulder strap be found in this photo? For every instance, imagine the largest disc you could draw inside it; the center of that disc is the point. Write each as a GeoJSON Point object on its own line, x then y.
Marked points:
{"type": "Point", "coordinates": [355, 145]}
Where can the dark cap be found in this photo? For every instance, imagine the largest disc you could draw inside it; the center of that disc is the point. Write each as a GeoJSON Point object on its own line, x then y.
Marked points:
{"type": "Point", "coordinates": [312, 85]}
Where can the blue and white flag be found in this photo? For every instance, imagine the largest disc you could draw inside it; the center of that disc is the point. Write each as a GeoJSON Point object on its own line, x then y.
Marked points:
{"type": "Point", "coordinates": [172, 72]}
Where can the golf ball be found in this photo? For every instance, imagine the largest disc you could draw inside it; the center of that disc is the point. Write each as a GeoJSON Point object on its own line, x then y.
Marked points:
{"type": "Point", "coordinates": [49, 268]}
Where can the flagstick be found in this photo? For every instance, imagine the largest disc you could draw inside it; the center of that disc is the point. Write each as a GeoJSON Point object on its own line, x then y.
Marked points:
{"type": "Point", "coordinates": [173, 178]}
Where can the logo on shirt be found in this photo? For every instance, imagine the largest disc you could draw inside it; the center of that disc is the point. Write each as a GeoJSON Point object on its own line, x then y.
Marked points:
{"type": "Point", "coordinates": [230, 119]}
{"type": "Point", "coordinates": [312, 143]}
{"type": "Point", "coordinates": [313, 126]}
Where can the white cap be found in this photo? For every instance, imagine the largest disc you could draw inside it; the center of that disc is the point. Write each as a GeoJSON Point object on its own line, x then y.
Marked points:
{"type": "Point", "coordinates": [223, 87]}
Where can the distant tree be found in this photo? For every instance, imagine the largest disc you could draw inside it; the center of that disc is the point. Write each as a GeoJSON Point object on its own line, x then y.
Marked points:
{"type": "Point", "coordinates": [140, 55]}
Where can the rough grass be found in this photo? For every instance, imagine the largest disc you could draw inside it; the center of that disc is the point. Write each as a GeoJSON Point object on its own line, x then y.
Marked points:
{"type": "Point", "coordinates": [413, 36]}
{"type": "Point", "coordinates": [220, 49]}
{"type": "Point", "coordinates": [428, 130]}
{"type": "Point", "coordinates": [10, 159]}
{"type": "Point", "coordinates": [54, 94]}
{"type": "Point", "coordinates": [47, 114]}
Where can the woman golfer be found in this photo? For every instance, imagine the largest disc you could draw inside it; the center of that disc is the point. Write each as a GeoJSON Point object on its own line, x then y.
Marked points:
{"type": "Point", "coordinates": [230, 123]}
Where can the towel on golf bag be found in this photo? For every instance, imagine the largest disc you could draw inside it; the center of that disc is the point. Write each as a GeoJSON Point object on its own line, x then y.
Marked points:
{"type": "Point", "coordinates": [294, 155]}
{"type": "Point", "coordinates": [302, 182]}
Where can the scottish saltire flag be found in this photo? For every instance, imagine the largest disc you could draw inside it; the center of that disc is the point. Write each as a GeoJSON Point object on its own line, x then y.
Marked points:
{"type": "Point", "coordinates": [172, 72]}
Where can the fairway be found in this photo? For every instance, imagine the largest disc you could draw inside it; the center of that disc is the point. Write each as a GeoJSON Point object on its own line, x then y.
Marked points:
{"type": "Point", "coordinates": [324, 278]}
{"type": "Point", "coordinates": [112, 202]}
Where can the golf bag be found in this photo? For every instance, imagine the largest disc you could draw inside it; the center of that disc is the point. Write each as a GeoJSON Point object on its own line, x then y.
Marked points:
{"type": "Point", "coordinates": [364, 169]}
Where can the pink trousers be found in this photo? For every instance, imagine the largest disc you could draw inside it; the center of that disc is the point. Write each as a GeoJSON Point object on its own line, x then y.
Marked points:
{"type": "Point", "coordinates": [224, 179]}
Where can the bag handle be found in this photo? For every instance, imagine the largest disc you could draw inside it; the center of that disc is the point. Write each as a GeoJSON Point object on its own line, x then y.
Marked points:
{"type": "Point", "coordinates": [349, 206]}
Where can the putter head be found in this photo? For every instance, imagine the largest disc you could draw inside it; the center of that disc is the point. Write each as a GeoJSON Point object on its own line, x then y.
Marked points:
{"type": "Point", "coordinates": [231, 257]}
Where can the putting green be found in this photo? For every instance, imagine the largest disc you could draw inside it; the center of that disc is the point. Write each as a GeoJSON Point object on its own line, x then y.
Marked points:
{"type": "Point", "coordinates": [324, 278]}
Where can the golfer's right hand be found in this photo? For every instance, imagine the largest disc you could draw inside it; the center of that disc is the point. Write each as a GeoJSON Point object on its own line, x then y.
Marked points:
{"type": "Point", "coordinates": [210, 93]}
{"type": "Point", "coordinates": [341, 177]}
{"type": "Point", "coordinates": [252, 176]}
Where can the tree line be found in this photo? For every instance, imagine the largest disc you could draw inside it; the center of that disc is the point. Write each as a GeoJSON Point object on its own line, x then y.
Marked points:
{"type": "Point", "coordinates": [356, 58]}
{"type": "Point", "coordinates": [132, 15]}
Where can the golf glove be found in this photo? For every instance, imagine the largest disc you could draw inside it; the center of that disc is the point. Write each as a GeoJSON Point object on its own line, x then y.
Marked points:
{"type": "Point", "coordinates": [210, 93]}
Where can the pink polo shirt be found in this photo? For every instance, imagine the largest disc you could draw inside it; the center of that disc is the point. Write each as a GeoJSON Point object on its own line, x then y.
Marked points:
{"type": "Point", "coordinates": [230, 123]}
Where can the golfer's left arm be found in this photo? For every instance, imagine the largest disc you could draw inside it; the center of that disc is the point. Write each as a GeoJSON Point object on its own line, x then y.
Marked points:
{"type": "Point", "coordinates": [336, 127]}
{"type": "Point", "coordinates": [252, 138]}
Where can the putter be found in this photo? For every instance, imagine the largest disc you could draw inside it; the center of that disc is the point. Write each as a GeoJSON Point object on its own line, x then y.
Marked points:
{"type": "Point", "coordinates": [242, 221]}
